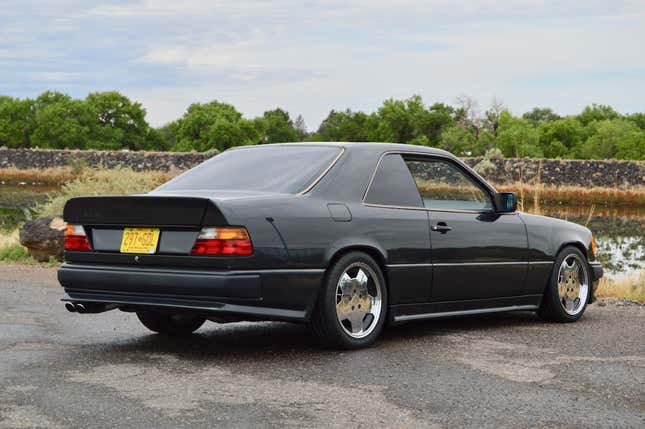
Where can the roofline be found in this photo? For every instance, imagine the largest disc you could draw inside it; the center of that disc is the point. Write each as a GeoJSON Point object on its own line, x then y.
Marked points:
{"type": "Point", "coordinates": [386, 146]}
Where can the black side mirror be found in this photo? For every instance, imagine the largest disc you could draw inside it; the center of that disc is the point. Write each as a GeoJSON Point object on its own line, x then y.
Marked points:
{"type": "Point", "coordinates": [506, 202]}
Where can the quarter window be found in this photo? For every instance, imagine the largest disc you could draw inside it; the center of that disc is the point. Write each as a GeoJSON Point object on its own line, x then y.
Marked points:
{"type": "Point", "coordinates": [393, 184]}
{"type": "Point", "coordinates": [444, 186]}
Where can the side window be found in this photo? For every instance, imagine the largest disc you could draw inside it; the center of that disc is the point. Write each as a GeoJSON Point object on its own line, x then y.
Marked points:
{"type": "Point", "coordinates": [444, 186]}
{"type": "Point", "coordinates": [393, 184]}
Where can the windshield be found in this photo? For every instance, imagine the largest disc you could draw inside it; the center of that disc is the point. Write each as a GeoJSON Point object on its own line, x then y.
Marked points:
{"type": "Point", "coordinates": [279, 169]}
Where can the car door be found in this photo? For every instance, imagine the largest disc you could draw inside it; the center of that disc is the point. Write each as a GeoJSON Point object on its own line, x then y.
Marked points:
{"type": "Point", "coordinates": [393, 216]}
{"type": "Point", "coordinates": [476, 252]}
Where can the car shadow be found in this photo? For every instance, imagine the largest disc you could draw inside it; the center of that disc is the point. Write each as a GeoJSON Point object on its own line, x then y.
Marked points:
{"type": "Point", "coordinates": [277, 339]}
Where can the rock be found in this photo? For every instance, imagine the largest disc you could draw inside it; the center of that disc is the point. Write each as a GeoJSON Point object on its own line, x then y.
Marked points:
{"type": "Point", "coordinates": [44, 237]}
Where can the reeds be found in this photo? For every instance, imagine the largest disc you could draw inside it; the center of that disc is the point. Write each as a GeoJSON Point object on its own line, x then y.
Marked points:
{"type": "Point", "coordinates": [530, 194]}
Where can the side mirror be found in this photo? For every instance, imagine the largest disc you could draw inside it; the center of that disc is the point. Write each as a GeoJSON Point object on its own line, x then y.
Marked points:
{"type": "Point", "coordinates": [506, 202]}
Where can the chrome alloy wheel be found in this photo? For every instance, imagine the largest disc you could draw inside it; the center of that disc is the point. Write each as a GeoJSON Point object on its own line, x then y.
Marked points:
{"type": "Point", "coordinates": [573, 284]}
{"type": "Point", "coordinates": [358, 300]}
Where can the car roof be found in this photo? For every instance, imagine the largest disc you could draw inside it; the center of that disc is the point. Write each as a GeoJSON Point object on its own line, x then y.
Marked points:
{"type": "Point", "coordinates": [363, 146]}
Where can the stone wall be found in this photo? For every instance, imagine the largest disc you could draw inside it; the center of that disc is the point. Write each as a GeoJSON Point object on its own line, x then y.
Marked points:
{"type": "Point", "coordinates": [138, 161]}
{"type": "Point", "coordinates": [556, 172]}
{"type": "Point", "coordinates": [585, 173]}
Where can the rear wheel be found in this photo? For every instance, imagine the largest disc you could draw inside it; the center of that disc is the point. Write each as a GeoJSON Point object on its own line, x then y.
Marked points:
{"type": "Point", "coordinates": [353, 303]}
{"type": "Point", "coordinates": [170, 324]}
{"type": "Point", "coordinates": [567, 294]}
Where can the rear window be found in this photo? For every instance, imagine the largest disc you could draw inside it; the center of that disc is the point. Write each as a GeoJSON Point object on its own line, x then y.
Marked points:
{"type": "Point", "coordinates": [280, 169]}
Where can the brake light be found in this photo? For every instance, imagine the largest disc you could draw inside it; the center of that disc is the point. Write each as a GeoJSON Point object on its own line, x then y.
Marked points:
{"type": "Point", "coordinates": [222, 241]}
{"type": "Point", "coordinates": [76, 239]}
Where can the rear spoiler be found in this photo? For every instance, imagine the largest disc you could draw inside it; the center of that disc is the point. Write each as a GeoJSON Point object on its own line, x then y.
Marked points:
{"type": "Point", "coordinates": [142, 210]}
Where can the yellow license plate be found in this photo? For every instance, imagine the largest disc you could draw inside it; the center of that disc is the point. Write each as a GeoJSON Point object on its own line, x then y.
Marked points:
{"type": "Point", "coordinates": [140, 240]}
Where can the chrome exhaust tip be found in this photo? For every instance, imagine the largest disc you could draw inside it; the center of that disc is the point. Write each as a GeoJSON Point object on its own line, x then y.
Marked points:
{"type": "Point", "coordinates": [70, 307]}
{"type": "Point", "coordinates": [80, 308]}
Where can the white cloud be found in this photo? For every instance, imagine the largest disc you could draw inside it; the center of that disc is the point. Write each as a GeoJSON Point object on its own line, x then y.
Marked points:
{"type": "Point", "coordinates": [313, 56]}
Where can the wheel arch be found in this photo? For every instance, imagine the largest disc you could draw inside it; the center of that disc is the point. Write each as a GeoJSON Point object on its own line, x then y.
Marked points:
{"type": "Point", "coordinates": [574, 243]}
{"type": "Point", "coordinates": [371, 249]}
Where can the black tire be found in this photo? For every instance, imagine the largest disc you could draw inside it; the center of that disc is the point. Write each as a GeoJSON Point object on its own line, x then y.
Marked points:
{"type": "Point", "coordinates": [551, 309]}
{"type": "Point", "coordinates": [170, 324]}
{"type": "Point", "coordinates": [325, 322]}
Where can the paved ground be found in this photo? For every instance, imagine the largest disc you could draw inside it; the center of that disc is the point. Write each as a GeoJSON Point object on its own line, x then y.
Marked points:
{"type": "Point", "coordinates": [63, 370]}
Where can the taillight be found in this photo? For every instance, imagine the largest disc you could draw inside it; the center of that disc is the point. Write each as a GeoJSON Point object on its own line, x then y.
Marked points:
{"type": "Point", "coordinates": [76, 239]}
{"type": "Point", "coordinates": [222, 241]}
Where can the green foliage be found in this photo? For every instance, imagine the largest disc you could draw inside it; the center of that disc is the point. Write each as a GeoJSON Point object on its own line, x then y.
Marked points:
{"type": "Point", "coordinates": [540, 115]}
{"type": "Point", "coordinates": [104, 120]}
{"type": "Point", "coordinates": [213, 125]}
{"type": "Point", "coordinates": [517, 137]}
{"type": "Point", "coordinates": [109, 120]}
{"type": "Point", "coordinates": [15, 253]}
{"type": "Point", "coordinates": [344, 126]}
{"type": "Point", "coordinates": [117, 122]}
{"type": "Point", "coordinates": [275, 126]}
{"type": "Point", "coordinates": [17, 120]}
{"type": "Point", "coordinates": [617, 138]}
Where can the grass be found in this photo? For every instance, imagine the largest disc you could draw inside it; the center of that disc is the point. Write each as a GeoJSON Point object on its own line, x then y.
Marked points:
{"type": "Point", "coordinates": [631, 287]}
{"type": "Point", "coordinates": [119, 181]}
{"type": "Point", "coordinates": [11, 250]}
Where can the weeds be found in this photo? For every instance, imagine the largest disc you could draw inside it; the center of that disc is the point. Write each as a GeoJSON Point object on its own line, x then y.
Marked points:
{"type": "Point", "coordinates": [12, 251]}
{"type": "Point", "coordinates": [631, 287]}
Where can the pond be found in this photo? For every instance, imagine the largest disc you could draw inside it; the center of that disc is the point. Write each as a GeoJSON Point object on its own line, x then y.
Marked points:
{"type": "Point", "coordinates": [619, 232]}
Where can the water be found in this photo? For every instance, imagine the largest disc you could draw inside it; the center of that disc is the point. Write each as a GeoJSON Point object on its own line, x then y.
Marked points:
{"type": "Point", "coordinates": [18, 201]}
{"type": "Point", "coordinates": [619, 232]}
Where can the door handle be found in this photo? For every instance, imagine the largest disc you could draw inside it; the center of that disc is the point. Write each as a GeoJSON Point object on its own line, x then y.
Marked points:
{"type": "Point", "coordinates": [441, 227]}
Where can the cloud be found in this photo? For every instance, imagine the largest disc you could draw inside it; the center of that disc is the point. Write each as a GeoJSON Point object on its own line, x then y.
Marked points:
{"type": "Point", "coordinates": [312, 56]}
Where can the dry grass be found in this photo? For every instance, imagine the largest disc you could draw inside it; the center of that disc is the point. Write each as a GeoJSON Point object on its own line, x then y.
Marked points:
{"type": "Point", "coordinates": [631, 287]}
{"type": "Point", "coordinates": [119, 181]}
{"type": "Point", "coordinates": [46, 176]}
{"type": "Point", "coordinates": [575, 195]}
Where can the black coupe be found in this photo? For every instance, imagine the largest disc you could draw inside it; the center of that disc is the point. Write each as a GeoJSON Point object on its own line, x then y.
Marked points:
{"type": "Point", "coordinates": [344, 236]}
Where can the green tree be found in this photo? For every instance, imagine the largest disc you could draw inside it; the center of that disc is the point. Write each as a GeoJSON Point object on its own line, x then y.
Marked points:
{"type": "Point", "coordinates": [559, 138]}
{"type": "Point", "coordinates": [459, 141]}
{"type": "Point", "coordinates": [618, 138]}
{"type": "Point", "coordinates": [168, 134]}
{"type": "Point", "coordinates": [61, 123]}
{"type": "Point", "coordinates": [597, 112]}
{"type": "Point", "coordinates": [402, 121]}
{"type": "Point", "coordinates": [540, 115]}
{"type": "Point", "coordinates": [17, 122]}
{"type": "Point", "coordinates": [516, 137]}
{"type": "Point", "coordinates": [213, 125]}
{"type": "Point", "coordinates": [275, 126]}
{"type": "Point", "coordinates": [344, 126]}
{"type": "Point", "coordinates": [119, 122]}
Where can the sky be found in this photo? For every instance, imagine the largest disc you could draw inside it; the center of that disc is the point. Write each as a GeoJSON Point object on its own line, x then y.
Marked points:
{"type": "Point", "coordinates": [313, 56]}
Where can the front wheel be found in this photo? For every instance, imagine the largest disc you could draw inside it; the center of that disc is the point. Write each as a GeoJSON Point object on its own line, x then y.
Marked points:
{"type": "Point", "coordinates": [567, 294]}
{"type": "Point", "coordinates": [170, 324]}
{"type": "Point", "coordinates": [353, 303]}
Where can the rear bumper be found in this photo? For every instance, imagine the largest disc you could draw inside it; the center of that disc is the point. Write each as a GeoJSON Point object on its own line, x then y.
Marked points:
{"type": "Point", "coordinates": [261, 294]}
{"type": "Point", "coordinates": [596, 273]}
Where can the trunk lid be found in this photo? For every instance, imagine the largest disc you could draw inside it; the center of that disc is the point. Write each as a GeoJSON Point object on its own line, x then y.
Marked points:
{"type": "Point", "coordinates": [143, 210]}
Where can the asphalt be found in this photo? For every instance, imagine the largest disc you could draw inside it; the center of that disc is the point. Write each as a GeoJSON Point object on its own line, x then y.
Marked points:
{"type": "Point", "coordinates": [508, 370]}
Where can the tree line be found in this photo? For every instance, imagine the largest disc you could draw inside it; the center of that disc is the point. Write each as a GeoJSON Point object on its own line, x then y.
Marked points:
{"type": "Point", "coordinates": [110, 120]}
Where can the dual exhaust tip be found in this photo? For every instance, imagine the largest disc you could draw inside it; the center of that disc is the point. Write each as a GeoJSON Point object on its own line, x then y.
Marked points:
{"type": "Point", "coordinates": [89, 307]}
{"type": "Point", "coordinates": [75, 308]}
